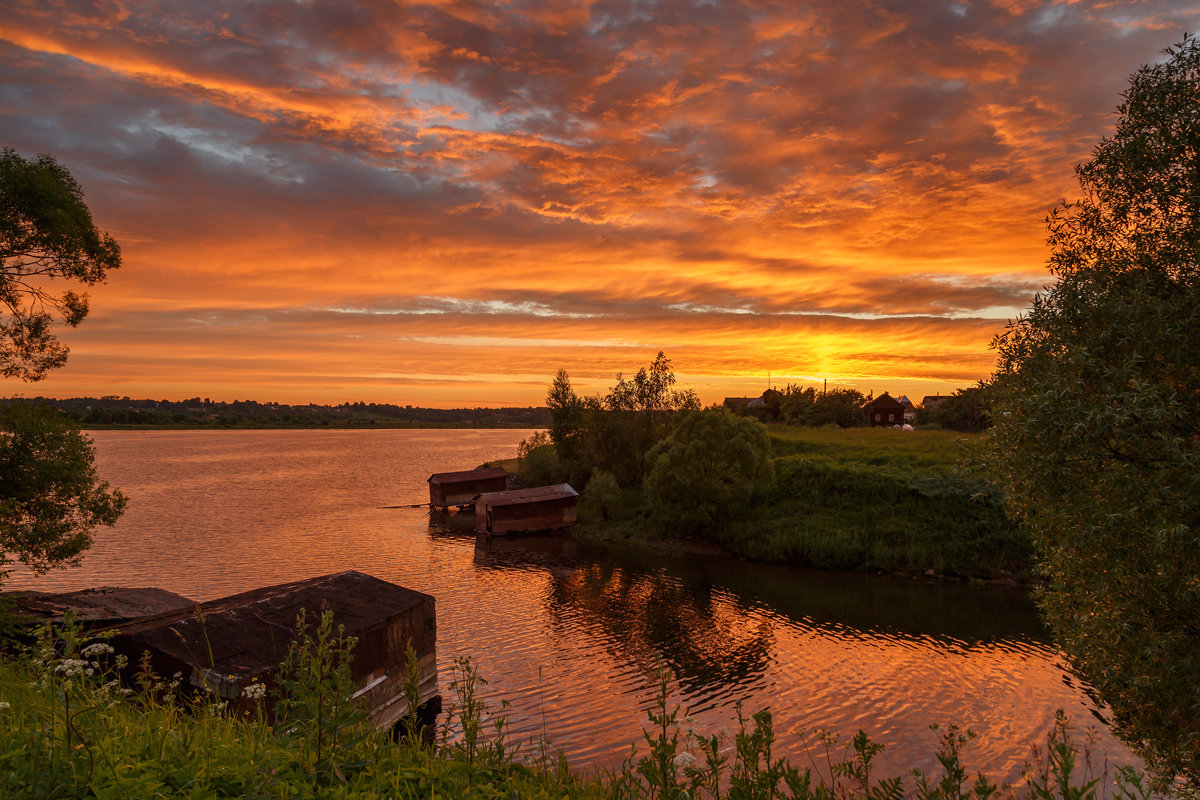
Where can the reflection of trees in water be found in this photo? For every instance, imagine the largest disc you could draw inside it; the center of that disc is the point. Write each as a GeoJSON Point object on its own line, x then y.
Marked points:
{"type": "Point", "coordinates": [700, 634]}
{"type": "Point", "coordinates": [712, 620]}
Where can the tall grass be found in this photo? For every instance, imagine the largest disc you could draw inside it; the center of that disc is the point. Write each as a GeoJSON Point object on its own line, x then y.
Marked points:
{"type": "Point", "coordinates": [69, 729]}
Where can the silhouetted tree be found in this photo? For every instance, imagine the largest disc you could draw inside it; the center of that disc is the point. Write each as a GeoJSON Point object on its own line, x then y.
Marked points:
{"type": "Point", "coordinates": [1097, 419]}
{"type": "Point", "coordinates": [46, 233]}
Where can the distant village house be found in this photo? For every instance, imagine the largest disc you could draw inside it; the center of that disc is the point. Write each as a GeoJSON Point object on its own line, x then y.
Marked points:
{"type": "Point", "coordinates": [885, 410]}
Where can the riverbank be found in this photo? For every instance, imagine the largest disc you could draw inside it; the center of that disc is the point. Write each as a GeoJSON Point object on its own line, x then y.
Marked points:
{"type": "Point", "coordinates": [875, 500]}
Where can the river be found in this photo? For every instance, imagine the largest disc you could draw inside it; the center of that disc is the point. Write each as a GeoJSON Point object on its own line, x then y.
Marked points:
{"type": "Point", "coordinates": [569, 637]}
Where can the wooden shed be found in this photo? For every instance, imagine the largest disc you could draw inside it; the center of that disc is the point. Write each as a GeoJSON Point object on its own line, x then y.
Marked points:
{"type": "Point", "coordinates": [448, 489]}
{"type": "Point", "coordinates": [885, 410]}
{"type": "Point", "coordinates": [224, 645]}
{"type": "Point", "coordinates": [543, 508]}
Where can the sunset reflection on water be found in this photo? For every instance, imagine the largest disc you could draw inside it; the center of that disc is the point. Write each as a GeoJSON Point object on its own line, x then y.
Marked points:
{"type": "Point", "coordinates": [572, 637]}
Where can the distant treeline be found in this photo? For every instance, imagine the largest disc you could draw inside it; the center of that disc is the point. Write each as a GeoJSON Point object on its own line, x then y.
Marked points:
{"type": "Point", "coordinates": [196, 412]}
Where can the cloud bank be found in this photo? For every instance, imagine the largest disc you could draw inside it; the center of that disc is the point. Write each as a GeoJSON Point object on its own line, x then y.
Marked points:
{"type": "Point", "coordinates": [441, 203]}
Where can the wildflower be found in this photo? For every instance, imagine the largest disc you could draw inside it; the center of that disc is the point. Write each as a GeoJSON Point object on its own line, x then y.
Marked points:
{"type": "Point", "coordinates": [97, 649]}
{"type": "Point", "coordinates": [255, 691]}
{"type": "Point", "coordinates": [4, 706]}
{"type": "Point", "coordinates": [684, 760]}
{"type": "Point", "coordinates": [70, 666]}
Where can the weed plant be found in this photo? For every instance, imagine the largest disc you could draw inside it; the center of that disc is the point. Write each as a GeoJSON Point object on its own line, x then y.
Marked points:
{"type": "Point", "coordinates": [69, 729]}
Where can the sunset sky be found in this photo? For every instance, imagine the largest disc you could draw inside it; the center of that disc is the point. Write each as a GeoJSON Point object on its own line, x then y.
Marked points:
{"type": "Point", "coordinates": [441, 203]}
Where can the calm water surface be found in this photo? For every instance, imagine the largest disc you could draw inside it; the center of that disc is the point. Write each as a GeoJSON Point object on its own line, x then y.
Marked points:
{"type": "Point", "coordinates": [569, 635]}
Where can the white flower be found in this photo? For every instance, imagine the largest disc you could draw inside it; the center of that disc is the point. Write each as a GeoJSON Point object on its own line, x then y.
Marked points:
{"type": "Point", "coordinates": [4, 706]}
{"type": "Point", "coordinates": [97, 649]}
{"type": "Point", "coordinates": [684, 760]}
{"type": "Point", "coordinates": [70, 666]}
{"type": "Point", "coordinates": [255, 691]}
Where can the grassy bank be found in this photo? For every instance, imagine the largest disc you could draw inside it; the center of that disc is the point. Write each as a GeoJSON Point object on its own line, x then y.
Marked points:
{"type": "Point", "coordinates": [859, 499]}
{"type": "Point", "coordinates": [69, 729]}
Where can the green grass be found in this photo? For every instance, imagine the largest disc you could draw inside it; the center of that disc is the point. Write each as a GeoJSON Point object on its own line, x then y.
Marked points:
{"type": "Point", "coordinates": [901, 450]}
{"type": "Point", "coordinates": [68, 729]}
{"type": "Point", "coordinates": [865, 499]}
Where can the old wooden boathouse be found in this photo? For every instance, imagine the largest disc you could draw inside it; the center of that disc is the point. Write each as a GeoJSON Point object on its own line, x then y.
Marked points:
{"type": "Point", "coordinates": [451, 489]}
{"type": "Point", "coordinates": [543, 508]}
{"type": "Point", "coordinates": [226, 645]}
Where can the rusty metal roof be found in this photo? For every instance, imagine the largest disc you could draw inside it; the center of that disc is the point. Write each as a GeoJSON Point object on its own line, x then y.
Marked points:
{"type": "Point", "coordinates": [468, 475]}
{"type": "Point", "coordinates": [534, 495]}
{"type": "Point", "coordinates": [105, 605]}
{"type": "Point", "coordinates": [249, 633]}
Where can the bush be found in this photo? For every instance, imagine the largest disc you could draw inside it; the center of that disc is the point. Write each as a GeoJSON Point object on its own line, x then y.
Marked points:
{"type": "Point", "coordinates": [541, 467]}
{"type": "Point", "coordinates": [707, 470]}
{"type": "Point", "coordinates": [602, 495]}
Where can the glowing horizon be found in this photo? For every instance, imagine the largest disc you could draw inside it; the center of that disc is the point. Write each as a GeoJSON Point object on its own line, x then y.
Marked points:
{"type": "Point", "coordinates": [441, 203]}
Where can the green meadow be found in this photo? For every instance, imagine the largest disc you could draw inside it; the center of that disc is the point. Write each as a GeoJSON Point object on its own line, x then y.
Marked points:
{"type": "Point", "coordinates": [860, 499]}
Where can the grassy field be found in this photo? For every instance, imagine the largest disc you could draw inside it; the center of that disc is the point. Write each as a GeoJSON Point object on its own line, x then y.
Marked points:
{"type": "Point", "coordinates": [867, 499]}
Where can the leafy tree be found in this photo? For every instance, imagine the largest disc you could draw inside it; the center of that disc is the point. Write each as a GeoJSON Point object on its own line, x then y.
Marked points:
{"type": "Point", "coordinates": [708, 469]}
{"type": "Point", "coordinates": [615, 432]}
{"type": "Point", "coordinates": [51, 497]}
{"type": "Point", "coordinates": [602, 495]}
{"type": "Point", "coordinates": [966, 410]}
{"type": "Point", "coordinates": [46, 233]}
{"type": "Point", "coordinates": [566, 417]}
{"type": "Point", "coordinates": [638, 414]}
{"type": "Point", "coordinates": [538, 463]}
{"type": "Point", "coordinates": [1097, 418]}
{"type": "Point", "coordinates": [807, 406]}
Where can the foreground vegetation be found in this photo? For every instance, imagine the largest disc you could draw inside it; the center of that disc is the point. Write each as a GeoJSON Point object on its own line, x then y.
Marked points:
{"type": "Point", "coordinates": [69, 728]}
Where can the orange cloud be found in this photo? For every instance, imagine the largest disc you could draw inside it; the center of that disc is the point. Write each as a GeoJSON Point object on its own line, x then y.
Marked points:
{"type": "Point", "coordinates": [442, 203]}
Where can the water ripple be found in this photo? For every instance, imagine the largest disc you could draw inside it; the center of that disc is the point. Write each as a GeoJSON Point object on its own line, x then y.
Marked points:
{"type": "Point", "coordinates": [572, 638]}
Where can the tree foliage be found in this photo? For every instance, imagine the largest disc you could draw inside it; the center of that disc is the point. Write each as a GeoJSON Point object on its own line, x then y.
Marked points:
{"type": "Point", "coordinates": [708, 469]}
{"type": "Point", "coordinates": [1097, 418]}
{"type": "Point", "coordinates": [967, 410]}
{"type": "Point", "coordinates": [52, 497]}
{"type": "Point", "coordinates": [616, 431]}
{"type": "Point", "coordinates": [602, 495]}
{"type": "Point", "coordinates": [46, 233]}
{"type": "Point", "coordinates": [809, 407]}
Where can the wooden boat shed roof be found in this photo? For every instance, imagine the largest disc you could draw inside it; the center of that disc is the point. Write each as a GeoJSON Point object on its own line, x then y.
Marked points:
{"type": "Point", "coordinates": [468, 475]}
{"type": "Point", "coordinates": [248, 634]}
{"type": "Point", "coordinates": [537, 494]}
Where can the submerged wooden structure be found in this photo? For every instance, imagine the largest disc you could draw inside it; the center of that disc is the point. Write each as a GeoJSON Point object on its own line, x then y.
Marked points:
{"type": "Point", "coordinates": [225, 645]}
{"type": "Point", "coordinates": [452, 489]}
{"type": "Point", "coordinates": [543, 508]}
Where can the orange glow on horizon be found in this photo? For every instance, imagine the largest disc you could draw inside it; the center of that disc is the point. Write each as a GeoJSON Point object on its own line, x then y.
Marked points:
{"type": "Point", "coordinates": [444, 205]}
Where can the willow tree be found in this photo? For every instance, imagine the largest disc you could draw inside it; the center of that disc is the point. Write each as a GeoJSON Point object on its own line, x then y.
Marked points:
{"type": "Point", "coordinates": [1097, 418]}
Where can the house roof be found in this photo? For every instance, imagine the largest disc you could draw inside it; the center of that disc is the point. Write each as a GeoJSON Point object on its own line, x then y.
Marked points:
{"type": "Point", "coordinates": [468, 475]}
{"type": "Point", "coordinates": [535, 495]}
{"type": "Point", "coordinates": [885, 401]}
{"type": "Point", "coordinates": [249, 633]}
